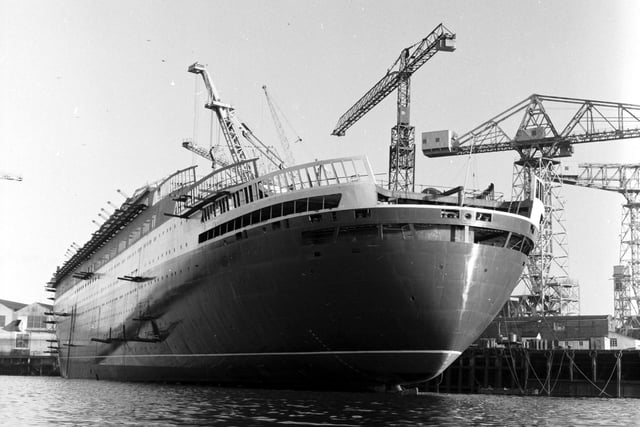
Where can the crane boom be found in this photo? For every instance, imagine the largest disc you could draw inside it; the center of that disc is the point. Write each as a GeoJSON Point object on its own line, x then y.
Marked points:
{"type": "Point", "coordinates": [281, 134]}
{"type": "Point", "coordinates": [204, 153]}
{"type": "Point", "coordinates": [232, 128]}
{"type": "Point", "coordinates": [537, 134]}
{"type": "Point", "coordinates": [619, 178]}
{"type": "Point", "coordinates": [409, 62]}
{"type": "Point", "coordinates": [223, 113]}
{"type": "Point", "coordinates": [402, 150]}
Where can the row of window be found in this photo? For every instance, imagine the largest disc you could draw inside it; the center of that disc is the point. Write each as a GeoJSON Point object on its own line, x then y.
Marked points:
{"type": "Point", "coordinates": [33, 322]}
{"type": "Point", "coordinates": [234, 200]}
{"type": "Point", "coordinates": [307, 204]}
{"type": "Point", "coordinates": [420, 231]}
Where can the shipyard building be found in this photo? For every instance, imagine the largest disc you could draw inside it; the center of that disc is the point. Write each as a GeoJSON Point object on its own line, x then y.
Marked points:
{"type": "Point", "coordinates": [594, 332]}
{"type": "Point", "coordinates": [27, 339]}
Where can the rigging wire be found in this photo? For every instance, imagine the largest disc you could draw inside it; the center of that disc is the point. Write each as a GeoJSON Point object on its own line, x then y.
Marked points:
{"type": "Point", "coordinates": [468, 166]}
{"type": "Point", "coordinates": [565, 352]}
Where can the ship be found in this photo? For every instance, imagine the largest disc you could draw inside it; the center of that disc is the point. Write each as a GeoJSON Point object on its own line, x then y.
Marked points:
{"type": "Point", "coordinates": [313, 276]}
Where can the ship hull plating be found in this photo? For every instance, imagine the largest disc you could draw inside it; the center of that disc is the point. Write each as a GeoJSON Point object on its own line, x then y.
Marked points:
{"type": "Point", "coordinates": [328, 304]}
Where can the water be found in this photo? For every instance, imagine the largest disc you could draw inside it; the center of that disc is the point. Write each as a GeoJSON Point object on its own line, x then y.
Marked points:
{"type": "Point", "coordinates": [34, 401]}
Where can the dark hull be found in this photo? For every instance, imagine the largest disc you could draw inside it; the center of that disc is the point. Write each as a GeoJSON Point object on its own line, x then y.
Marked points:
{"type": "Point", "coordinates": [271, 308]}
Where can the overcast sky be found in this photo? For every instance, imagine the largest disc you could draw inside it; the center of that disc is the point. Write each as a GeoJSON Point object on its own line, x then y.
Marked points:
{"type": "Point", "coordinates": [95, 96]}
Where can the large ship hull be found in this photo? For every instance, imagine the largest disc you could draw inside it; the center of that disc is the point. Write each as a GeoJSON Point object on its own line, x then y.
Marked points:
{"type": "Point", "coordinates": [341, 299]}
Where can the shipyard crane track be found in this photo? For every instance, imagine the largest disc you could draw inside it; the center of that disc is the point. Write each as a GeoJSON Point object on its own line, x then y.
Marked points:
{"type": "Point", "coordinates": [402, 149]}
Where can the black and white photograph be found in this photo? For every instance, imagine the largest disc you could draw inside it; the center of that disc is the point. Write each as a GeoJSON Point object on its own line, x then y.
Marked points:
{"type": "Point", "coordinates": [320, 212]}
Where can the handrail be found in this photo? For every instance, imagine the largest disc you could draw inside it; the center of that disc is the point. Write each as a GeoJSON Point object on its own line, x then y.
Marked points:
{"type": "Point", "coordinates": [216, 181]}
{"type": "Point", "coordinates": [177, 185]}
{"type": "Point", "coordinates": [318, 173]}
{"type": "Point", "coordinates": [305, 176]}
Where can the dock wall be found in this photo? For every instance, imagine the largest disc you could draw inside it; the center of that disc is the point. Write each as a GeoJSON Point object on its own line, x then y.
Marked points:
{"type": "Point", "coordinates": [554, 372]}
{"type": "Point", "coordinates": [25, 364]}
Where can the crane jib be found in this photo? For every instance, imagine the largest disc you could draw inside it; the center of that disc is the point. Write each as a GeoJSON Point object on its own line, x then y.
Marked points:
{"type": "Point", "coordinates": [440, 39]}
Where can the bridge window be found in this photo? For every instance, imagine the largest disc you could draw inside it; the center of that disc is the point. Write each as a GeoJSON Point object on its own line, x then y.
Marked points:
{"type": "Point", "coordinates": [288, 208]}
{"type": "Point", "coordinates": [527, 246]}
{"type": "Point", "coordinates": [515, 242]}
{"type": "Point", "coordinates": [488, 236]}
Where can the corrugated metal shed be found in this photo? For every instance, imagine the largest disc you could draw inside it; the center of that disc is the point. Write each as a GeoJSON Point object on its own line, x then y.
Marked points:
{"type": "Point", "coordinates": [562, 328]}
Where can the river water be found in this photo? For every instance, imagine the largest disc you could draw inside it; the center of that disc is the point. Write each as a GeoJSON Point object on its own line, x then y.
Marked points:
{"type": "Point", "coordinates": [39, 401]}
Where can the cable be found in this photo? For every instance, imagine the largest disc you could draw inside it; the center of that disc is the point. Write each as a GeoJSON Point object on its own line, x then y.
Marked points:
{"type": "Point", "coordinates": [557, 376]}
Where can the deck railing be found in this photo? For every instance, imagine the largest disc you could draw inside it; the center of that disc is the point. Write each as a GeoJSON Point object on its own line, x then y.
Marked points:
{"type": "Point", "coordinates": [309, 175]}
{"type": "Point", "coordinates": [317, 174]}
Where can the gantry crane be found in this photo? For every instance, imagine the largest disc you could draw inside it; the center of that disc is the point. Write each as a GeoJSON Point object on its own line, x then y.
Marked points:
{"type": "Point", "coordinates": [540, 141]}
{"type": "Point", "coordinates": [233, 130]}
{"type": "Point", "coordinates": [284, 141]}
{"type": "Point", "coordinates": [623, 179]}
{"type": "Point", "coordinates": [402, 150]}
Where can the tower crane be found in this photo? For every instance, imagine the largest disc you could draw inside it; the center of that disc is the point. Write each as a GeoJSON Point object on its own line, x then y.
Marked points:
{"type": "Point", "coordinates": [402, 149]}
{"type": "Point", "coordinates": [623, 179]}
{"type": "Point", "coordinates": [232, 128]}
{"type": "Point", "coordinates": [539, 141]}
{"type": "Point", "coordinates": [284, 141]}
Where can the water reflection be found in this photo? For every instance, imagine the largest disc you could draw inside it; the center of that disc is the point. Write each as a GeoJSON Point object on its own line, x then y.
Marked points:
{"type": "Point", "coordinates": [47, 401]}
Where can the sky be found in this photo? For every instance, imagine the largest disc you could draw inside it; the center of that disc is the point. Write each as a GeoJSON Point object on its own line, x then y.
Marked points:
{"type": "Point", "coordinates": [95, 97]}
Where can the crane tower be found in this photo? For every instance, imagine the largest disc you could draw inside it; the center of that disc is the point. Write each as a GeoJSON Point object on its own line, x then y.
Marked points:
{"type": "Point", "coordinates": [623, 179]}
{"type": "Point", "coordinates": [539, 139]}
{"type": "Point", "coordinates": [402, 149]}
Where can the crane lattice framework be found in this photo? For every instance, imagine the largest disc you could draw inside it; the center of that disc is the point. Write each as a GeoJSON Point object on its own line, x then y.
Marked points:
{"type": "Point", "coordinates": [234, 132]}
{"type": "Point", "coordinates": [402, 149]}
{"type": "Point", "coordinates": [539, 140]}
{"type": "Point", "coordinates": [623, 179]}
{"type": "Point", "coordinates": [284, 141]}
